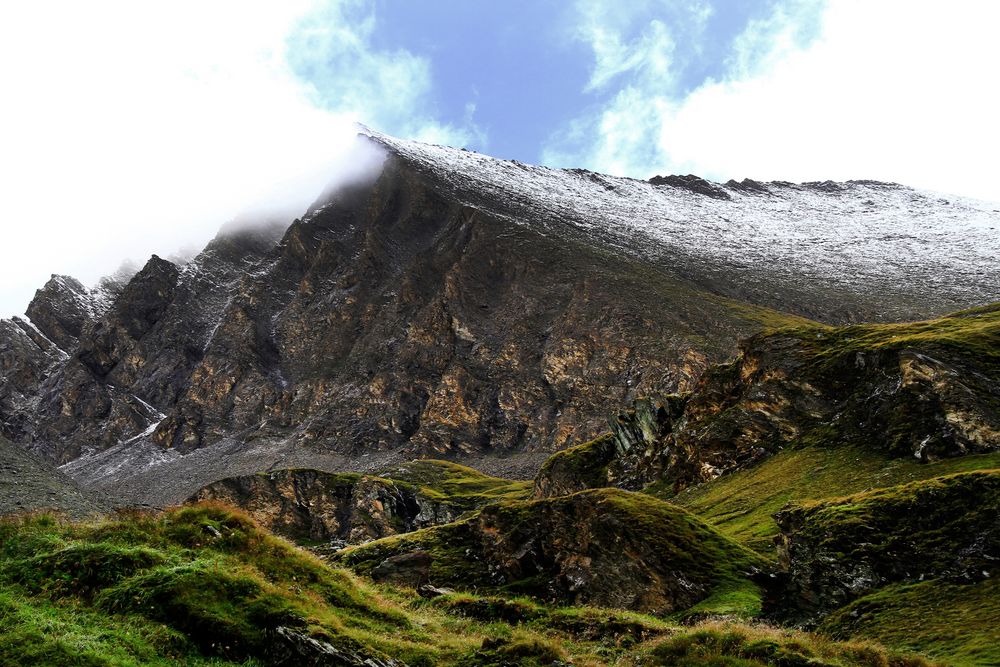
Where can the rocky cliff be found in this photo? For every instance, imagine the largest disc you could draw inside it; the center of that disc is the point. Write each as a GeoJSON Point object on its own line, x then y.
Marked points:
{"type": "Point", "coordinates": [926, 390]}
{"type": "Point", "coordinates": [459, 306]}
{"type": "Point", "coordinates": [604, 547]}
{"type": "Point", "coordinates": [312, 506]}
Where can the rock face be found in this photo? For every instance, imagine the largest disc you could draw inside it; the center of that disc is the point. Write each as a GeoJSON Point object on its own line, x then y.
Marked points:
{"type": "Point", "coordinates": [604, 547]}
{"type": "Point", "coordinates": [943, 528]}
{"type": "Point", "coordinates": [309, 505]}
{"type": "Point", "coordinates": [458, 305]}
{"type": "Point", "coordinates": [926, 390]}
{"type": "Point", "coordinates": [61, 308]}
{"type": "Point", "coordinates": [291, 648]}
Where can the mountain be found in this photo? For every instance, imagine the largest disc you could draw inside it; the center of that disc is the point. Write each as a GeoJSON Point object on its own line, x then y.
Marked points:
{"type": "Point", "coordinates": [30, 484]}
{"type": "Point", "coordinates": [919, 390]}
{"type": "Point", "coordinates": [459, 306]}
{"type": "Point", "coordinates": [723, 455]}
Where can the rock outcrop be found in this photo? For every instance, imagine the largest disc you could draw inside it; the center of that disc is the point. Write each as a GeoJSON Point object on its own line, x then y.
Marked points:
{"type": "Point", "coordinates": [314, 506]}
{"type": "Point", "coordinates": [944, 528]}
{"type": "Point", "coordinates": [347, 508]}
{"type": "Point", "coordinates": [291, 648]}
{"type": "Point", "coordinates": [604, 547]}
{"type": "Point", "coordinates": [925, 389]}
{"type": "Point", "coordinates": [455, 305]}
{"type": "Point", "coordinates": [61, 309]}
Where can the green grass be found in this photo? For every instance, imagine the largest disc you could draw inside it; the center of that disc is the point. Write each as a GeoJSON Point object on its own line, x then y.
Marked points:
{"type": "Point", "coordinates": [165, 587]}
{"type": "Point", "coordinates": [952, 622]}
{"type": "Point", "coordinates": [607, 528]}
{"type": "Point", "coordinates": [767, 318]}
{"type": "Point", "coordinates": [972, 333]}
{"type": "Point", "coordinates": [457, 485]}
{"type": "Point", "coordinates": [742, 505]}
{"type": "Point", "coordinates": [728, 645]}
{"type": "Point", "coordinates": [144, 589]}
{"type": "Point", "coordinates": [43, 632]}
{"type": "Point", "coordinates": [732, 598]}
{"type": "Point", "coordinates": [583, 466]}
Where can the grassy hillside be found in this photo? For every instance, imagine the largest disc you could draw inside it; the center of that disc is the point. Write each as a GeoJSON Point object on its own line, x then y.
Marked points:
{"type": "Point", "coordinates": [457, 485]}
{"type": "Point", "coordinates": [742, 505]}
{"type": "Point", "coordinates": [952, 622]}
{"type": "Point", "coordinates": [974, 334]}
{"type": "Point", "coordinates": [204, 585]}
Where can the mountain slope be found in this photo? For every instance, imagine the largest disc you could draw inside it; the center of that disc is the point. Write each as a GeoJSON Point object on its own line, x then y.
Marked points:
{"type": "Point", "coordinates": [461, 306]}
{"type": "Point", "coordinates": [206, 586]}
{"type": "Point", "coordinates": [922, 390]}
{"type": "Point", "coordinates": [861, 250]}
{"type": "Point", "coordinates": [28, 484]}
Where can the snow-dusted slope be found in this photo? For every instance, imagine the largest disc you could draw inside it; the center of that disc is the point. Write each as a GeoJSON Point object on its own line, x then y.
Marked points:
{"type": "Point", "coordinates": [461, 306]}
{"type": "Point", "coordinates": [862, 239]}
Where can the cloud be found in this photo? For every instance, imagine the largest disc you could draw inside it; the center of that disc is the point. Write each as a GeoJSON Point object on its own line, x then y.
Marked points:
{"type": "Point", "coordinates": [130, 128]}
{"type": "Point", "coordinates": [626, 41]}
{"type": "Point", "coordinates": [331, 49]}
{"type": "Point", "coordinates": [898, 91]}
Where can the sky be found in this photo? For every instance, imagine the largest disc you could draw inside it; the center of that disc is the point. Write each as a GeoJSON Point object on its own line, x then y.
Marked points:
{"type": "Point", "coordinates": [134, 127]}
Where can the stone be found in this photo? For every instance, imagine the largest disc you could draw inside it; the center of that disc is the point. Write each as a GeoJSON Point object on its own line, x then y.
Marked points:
{"type": "Point", "coordinates": [409, 569]}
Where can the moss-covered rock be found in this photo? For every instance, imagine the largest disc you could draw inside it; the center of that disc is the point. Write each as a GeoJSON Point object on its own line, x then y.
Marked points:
{"type": "Point", "coordinates": [952, 622]}
{"type": "Point", "coordinates": [725, 645]}
{"type": "Point", "coordinates": [577, 468]}
{"type": "Point", "coordinates": [604, 547]}
{"type": "Point", "coordinates": [312, 506]}
{"type": "Point", "coordinates": [838, 550]}
{"type": "Point", "coordinates": [926, 390]}
{"type": "Point", "coordinates": [619, 458]}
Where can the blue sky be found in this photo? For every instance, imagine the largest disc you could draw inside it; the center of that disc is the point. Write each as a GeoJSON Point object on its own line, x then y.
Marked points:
{"type": "Point", "coordinates": [525, 66]}
{"type": "Point", "coordinates": [137, 127]}
{"type": "Point", "coordinates": [512, 76]}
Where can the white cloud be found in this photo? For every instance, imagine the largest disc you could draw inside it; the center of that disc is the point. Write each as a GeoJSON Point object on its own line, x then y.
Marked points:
{"type": "Point", "coordinates": [129, 128]}
{"type": "Point", "coordinates": [899, 91]}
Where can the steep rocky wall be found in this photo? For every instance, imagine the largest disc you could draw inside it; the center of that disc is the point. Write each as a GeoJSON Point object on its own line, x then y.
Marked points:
{"type": "Point", "coordinates": [572, 549]}
{"type": "Point", "coordinates": [309, 505]}
{"type": "Point", "coordinates": [926, 390]}
{"type": "Point", "coordinates": [389, 316]}
{"type": "Point", "coordinates": [943, 528]}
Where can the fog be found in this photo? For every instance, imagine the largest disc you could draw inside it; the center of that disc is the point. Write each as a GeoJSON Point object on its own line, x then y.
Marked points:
{"type": "Point", "coordinates": [128, 130]}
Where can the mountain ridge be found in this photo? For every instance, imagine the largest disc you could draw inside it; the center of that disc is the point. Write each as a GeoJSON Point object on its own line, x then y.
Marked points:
{"type": "Point", "coordinates": [457, 306]}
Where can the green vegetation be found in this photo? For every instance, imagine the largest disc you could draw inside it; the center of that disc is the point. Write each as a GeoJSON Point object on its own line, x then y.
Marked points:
{"type": "Point", "coordinates": [947, 621]}
{"type": "Point", "coordinates": [974, 334]}
{"type": "Point", "coordinates": [484, 552]}
{"type": "Point", "coordinates": [579, 467]}
{"type": "Point", "coordinates": [618, 628]}
{"type": "Point", "coordinates": [742, 505]}
{"type": "Point", "coordinates": [727, 645]}
{"type": "Point", "coordinates": [203, 585]}
{"type": "Point", "coordinates": [765, 317]}
{"type": "Point", "coordinates": [204, 579]}
{"type": "Point", "coordinates": [457, 485]}
{"type": "Point", "coordinates": [197, 585]}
